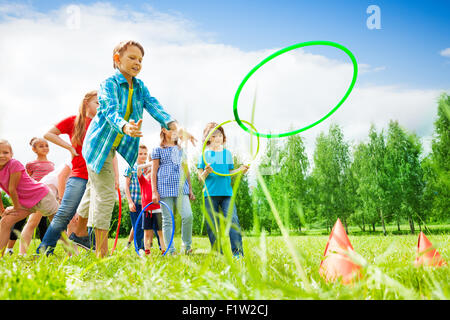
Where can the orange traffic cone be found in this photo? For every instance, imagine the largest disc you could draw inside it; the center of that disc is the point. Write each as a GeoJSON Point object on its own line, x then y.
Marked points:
{"type": "Point", "coordinates": [337, 264]}
{"type": "Point", "coordinates": [426, 254]}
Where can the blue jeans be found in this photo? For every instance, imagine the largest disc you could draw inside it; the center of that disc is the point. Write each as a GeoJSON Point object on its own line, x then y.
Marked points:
{"type": "Point", "coordinates": [223, 202]}
{"type": "Point", "coordinates": [184, 208]}
{"type": "Point", "coordinates": [73, 193]}
{"type": "Point", "coordinates": [139, 233]}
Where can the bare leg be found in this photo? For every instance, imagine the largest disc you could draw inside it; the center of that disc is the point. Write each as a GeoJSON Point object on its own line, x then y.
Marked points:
{"type": "Point", "coordinates": [27, 232]}
{"type": "Point", "coordinates": [148, 238]}
{"type": "Point", "coordinates": [131, 236]}
{"type": "Point", "coordinates": [101, 238]}
{"type": "Point", "coordinates": [6, 224]}
{"type": "Point", "coordinates": [161, 240]}
{"type": "Point", "coordinates": [71, 227]}
{"type": "Point", "coordinates": [81, 229]}
{"type": "Point", "coordinates": [11, 244]}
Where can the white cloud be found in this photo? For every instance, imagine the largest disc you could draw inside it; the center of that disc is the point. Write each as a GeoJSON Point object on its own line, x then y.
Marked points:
{"type": "Point", "coordinates": [47, 67]}
{"type": "Point", "coordinates": [445, 53]}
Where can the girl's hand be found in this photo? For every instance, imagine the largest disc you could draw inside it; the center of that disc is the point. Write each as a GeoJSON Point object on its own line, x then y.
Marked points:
{"type": "Point", "coordinates": [184, 135]}
{"type": "Point", "coordinates": [131, 206]}
{"type": "Point", "coordinates": [2, 212]}
{"type": "Point", "coordinates": [191, 195]}
{"type": "Point", "coordinates": [155, 197]}
{"type": "Point", "coordinates": [73, 152]}
{"type": "Point", "coordinates": [244, 169]}
{"type": "Point", "coordinates": [116, 183]}
{"type": "Point", "coordinates": [8, 211]}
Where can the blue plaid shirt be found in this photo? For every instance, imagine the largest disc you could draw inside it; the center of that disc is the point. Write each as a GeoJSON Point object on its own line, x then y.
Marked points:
{"type": "Point", "coordinates": [170, 171]}
{"type": "Point", "coordinates": [135, 188]}
{"type": "Point", "coordinates": [109, 121]}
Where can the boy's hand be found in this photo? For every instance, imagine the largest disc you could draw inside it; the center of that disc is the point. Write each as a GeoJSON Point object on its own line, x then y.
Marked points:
{"type": "Point", "coordinates": [133, 129]}
{"type": "Point", "coordinates": [131, 206]}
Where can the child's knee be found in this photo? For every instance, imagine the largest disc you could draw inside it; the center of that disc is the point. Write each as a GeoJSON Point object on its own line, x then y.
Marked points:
{"type": "Point", "coordinates": [7, 222]}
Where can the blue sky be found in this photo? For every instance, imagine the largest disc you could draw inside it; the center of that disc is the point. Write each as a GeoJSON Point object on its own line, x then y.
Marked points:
{"type": "Point", "coordinates": [406, 47]}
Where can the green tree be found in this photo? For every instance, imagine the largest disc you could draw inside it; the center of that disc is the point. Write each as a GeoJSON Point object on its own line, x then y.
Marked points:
{"type": "Point", "coordinates": [269, 168]}
{"type": "Point", "coordinates": [292, 179]}
{"type": "Point", "coordinates": [406, 178]}
{"type": "Point", "coordinates": [331, 171]}
{"type": "Point", "coordinates": [372, 177]}
{"type": "Point", "coordinates": [438, 164]}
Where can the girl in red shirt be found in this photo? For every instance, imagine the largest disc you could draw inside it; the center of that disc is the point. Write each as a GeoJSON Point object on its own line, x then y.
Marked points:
{"type": "Point", "coordinates": [75, 127]}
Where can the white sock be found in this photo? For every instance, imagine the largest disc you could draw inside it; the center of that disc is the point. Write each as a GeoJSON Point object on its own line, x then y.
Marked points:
{"type": "Point", "coordinates": [9, 250]}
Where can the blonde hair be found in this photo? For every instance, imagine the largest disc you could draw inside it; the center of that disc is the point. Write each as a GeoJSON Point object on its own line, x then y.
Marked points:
{"type": "Point", "coordinates": [209, 127]}
{"type": "Point", "coordinates": [162, 136]}
{"type": "Point", "coordinates": [3, 141]}
{"type": "Point", "coordinates": [79, 127]}
{"type": "Point", "coordinates": [122, 46]}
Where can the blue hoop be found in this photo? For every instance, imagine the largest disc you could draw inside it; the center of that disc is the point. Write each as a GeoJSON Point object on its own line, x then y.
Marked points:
{"type": "Point", "coordinates": [140, 217]}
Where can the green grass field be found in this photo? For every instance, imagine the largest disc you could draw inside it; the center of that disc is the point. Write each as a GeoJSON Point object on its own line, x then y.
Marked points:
{"type": "Point", "coordinates": [268, 271]}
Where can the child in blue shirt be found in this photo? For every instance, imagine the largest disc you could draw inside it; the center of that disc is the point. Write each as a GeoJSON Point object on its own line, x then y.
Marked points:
{"type": "Point", "coordinates": [218, 190]}
{"type": "Point", "coordinates": [117, 127]}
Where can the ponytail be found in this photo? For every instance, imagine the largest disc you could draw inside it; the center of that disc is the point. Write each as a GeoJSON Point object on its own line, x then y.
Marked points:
{"type": "Point", "coordinates": [79, 127]}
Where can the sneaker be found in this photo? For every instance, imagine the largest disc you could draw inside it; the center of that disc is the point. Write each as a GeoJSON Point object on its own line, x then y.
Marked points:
{"type": "Point", "coordinates": [147, 252]}
{"type": "Point", "coordinates": [163, 251]}
{"type": "Point", "coordinates": [237, 256]}
{"type": "Point", "coordinates": [83, 242]}
{"type": "Point", "coordinates": [128, 245]}
{"type": "Point", "coordinates": [188, 252]}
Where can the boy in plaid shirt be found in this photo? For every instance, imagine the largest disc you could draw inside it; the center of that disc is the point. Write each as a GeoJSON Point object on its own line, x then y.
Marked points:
{"type": "Point", "coordinates": [117, 127]}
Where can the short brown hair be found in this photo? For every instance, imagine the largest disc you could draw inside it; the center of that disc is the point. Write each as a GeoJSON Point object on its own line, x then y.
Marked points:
{"type": "Point", "coordinates": [209, 127]}
{"type": "Point", "coordinates": [35, 140]}
{"type": "Point", "coordinates": [142, 146]}
{"type": "Point", "coordinates": [122, 46]}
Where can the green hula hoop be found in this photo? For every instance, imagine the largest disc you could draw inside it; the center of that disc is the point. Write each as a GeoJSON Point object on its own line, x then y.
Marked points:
{"type": "Point", "coordinates": [276, 54]}
{"type": "Point", "coordinates": [209, 135]}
